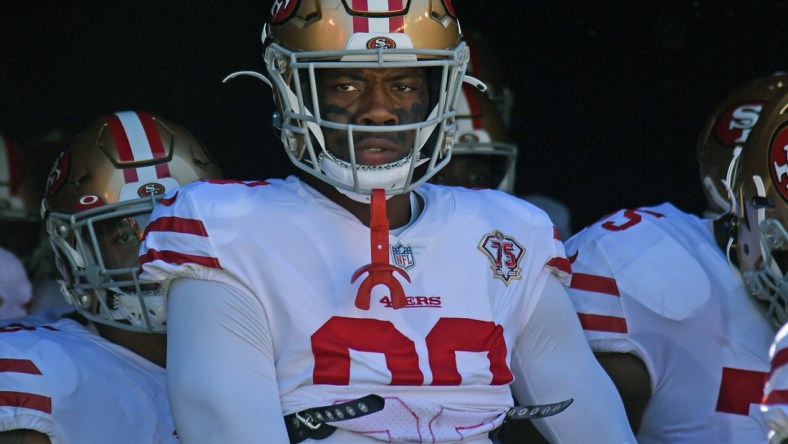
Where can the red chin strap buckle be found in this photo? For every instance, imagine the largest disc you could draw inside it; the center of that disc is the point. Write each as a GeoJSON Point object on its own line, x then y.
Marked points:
{"type": "Point", "coordinates": [380, 270]}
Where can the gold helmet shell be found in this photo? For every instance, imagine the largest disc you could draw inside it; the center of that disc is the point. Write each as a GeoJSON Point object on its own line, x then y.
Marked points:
{"type": "Point", "coordinates": [760, 185]}
{"type": "Point", "coordinates": [99, 197]}
{"type": "Point", "coordinates": [306, 37]}
{"type": "Point", "coordinates": [729, 127]}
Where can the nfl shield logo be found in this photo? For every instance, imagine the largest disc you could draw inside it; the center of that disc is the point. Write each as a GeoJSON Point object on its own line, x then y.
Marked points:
{"type": "Point", "coordinates": [403, 256]}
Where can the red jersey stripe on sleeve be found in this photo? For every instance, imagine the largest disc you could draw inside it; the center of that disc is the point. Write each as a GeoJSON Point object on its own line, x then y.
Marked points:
{"type": "Point", "coordinates": [19, 366]}
{"type": "Point", "coordinates": [169, 201]}
{"type": "Point", "coordinates": [560, 263]}
{"type": "Point", "coordinates": [597, 284]}
{"type": "Point", "coordinates": [779, 360]}
{"type": "Point", "coordinates": [26, 400]}
{"type": "Point", "coordinates": [738, 389]}
{"type": "Point", "coordinates": [177, 225]}
{"type": "Point", "coordinates": [595, 322]}
{"type": "Point", "coordinates": [174, 257]}
{"type": "Point", "coordinates": [776, 397]}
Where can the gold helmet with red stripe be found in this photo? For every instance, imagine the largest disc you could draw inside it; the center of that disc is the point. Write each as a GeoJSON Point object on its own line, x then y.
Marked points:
{"type": "Point", "coordinates": [728, 128]}
{"type": "Point", "coordinates": [304, 38]}
{"type": "Point", "coordinates": [760, 185]}
{"type": "Point", "coordinates": [98, 200]}
{"type": "Point", "coordinates": [482, 157]}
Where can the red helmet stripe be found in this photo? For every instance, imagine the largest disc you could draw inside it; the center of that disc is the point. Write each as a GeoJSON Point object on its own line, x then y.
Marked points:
{"type": "Point", "coordinates": [378, 24]}
{"type": "Point", "coordinates": [123, 146]}
{"type": "Point", "coordinates": [156, 146]}
{"type": "Point", "coordinates": [396, 23]}
{"type": "Point", "coordinates": [360, 24]}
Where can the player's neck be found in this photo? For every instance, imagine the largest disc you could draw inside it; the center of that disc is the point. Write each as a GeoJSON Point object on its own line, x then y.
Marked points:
{"type": "Point", "coordinates": [152, 347]}
{"type": "Point", "coordinates": [397, 207]}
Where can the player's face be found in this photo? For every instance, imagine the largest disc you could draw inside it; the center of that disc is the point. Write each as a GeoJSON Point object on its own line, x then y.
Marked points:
{"type": "Point", "coordinates": [469, 171]}
{"type": "Point", "coordinates": [119, 240]}
{"type": "Point", "coordinates": [372, 97]}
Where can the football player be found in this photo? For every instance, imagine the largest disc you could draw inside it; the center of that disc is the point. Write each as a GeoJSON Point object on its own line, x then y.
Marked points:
{"type": "Point", "coordinates": [99, 372]}
{"type": "Point", "coordinates": [762, 209]}
{"type": "Point", "coordinates": [726, 130]}
{"type": "Point", "coordinates": [664, 307]}
{"type": "Point", "coordinates": [484, 156]}
{"type": "Point", "coordinates": [354, 302]}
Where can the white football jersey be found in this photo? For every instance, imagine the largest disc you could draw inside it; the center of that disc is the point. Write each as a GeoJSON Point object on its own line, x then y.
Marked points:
{"type": "Point", "coordinates": [62, 379]}
{"type": "Point", "coordinates": [775, 393]}
{"type": "Point", "coordinates": [652, 282]}
{"type": "Point", "coordinates": [474, 278]}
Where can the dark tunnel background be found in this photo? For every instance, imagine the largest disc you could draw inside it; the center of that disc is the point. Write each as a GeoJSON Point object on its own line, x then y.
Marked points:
{"type": "Point", "coordinates": [610, 96]}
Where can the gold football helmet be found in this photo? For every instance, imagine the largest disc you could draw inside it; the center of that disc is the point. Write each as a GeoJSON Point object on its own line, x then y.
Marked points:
{"type": "Point", "coordinates": [99, 197]}
{"type": "Point", "coordinates": [308, 37]}
{"type": "Point", "coordinates": [727, 128]}
{"type": "Point", "coordinates": [760, 185]}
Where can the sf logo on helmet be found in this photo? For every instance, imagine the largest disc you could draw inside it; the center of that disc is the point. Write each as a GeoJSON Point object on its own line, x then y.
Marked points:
{"type": "Point", "coordinates": [57, 175]}
{"type": "Point", "coordinates": [281, 10]}
{"type": "Point", "coordinates": [381, 43]}
{"type": "Point", "coordinates": [151, 189]}
{"type": "Point", "coordinates": [736, 123]}
{"type": "Point", "coordinates": [778, 161]}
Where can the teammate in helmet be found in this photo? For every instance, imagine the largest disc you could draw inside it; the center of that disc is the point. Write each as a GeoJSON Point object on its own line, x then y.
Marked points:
{"type": "Point", "coordinates": [484, 156]}
{"type": "Point", "coordinates": [726, 130]}
{"type": "Point", "coordinates": [275, 308]}
{"type": "Point", "coordinates": [761, 209]}
{"type": "Point", "coordinates": [662, 303]}
{"type": "Point", "coordinates": [99, 371]}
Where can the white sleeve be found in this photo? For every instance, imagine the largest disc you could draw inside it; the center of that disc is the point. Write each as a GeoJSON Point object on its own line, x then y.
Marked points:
{"type": "Point", "coordinates": [220, 367]}
{"type": "Point", "coordinates": [552, 362]}
{"type": "Point", "coordinates": [775, 393]}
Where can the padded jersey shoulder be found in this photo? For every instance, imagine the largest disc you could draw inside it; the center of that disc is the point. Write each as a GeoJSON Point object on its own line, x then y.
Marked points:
{"type": "Point", "coordinates": [655, 255]}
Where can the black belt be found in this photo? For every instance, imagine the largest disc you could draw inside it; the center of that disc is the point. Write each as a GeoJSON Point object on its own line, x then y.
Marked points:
{"type": "Point", "coordinates": [531, 412]}
{"type": "Point", "coordinates": [314, 423]}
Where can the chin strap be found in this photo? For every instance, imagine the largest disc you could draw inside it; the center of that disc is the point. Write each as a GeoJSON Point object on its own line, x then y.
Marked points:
{"type": "Point", "coordinates": [380, 270]}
